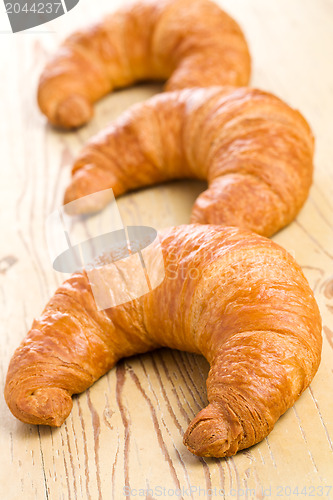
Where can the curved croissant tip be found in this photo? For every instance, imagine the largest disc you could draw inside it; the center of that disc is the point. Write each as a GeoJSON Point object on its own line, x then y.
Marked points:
{"type": "Point", "coordinates": [73, 112]}
{"type": "Point", "coordinates": [210, 435]}
{"type": "Point", "coordinates": [45, 406]}
{"type": "Point", "coordinates": [79, 201]}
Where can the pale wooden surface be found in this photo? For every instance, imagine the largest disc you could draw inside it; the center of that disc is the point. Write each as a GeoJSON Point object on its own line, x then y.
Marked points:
{"type": "Point", "coordinates": [127, 429]}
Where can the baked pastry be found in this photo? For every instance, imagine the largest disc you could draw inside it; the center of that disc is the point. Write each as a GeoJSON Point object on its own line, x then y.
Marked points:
{"type": "Point", "coordinates": [248, 309]}
{"type": "Point", "coordinates": [187, 42]}
{"type": "Point", "coordinates": [254, 150]}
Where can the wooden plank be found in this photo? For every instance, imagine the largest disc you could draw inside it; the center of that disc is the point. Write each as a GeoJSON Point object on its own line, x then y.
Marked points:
{"type": "Point", "coordinates": [126, 431]}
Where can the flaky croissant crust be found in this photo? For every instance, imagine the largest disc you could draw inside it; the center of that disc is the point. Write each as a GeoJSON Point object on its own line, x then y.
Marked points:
{"type": "Point", "coordinates": [253, 149]}
{"type": "Point", "coordinates": [187, 42]}
{"type": "Point", "coordinates": [248, 309]}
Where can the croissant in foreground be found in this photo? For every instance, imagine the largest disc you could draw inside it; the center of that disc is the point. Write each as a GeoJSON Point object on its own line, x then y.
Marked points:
{"type": "Point", "coordinates": [253, 149]}
{"type": "Point", "coordinates": [189, 43]}
{"type": "Point", "coordinates": [248, 309]}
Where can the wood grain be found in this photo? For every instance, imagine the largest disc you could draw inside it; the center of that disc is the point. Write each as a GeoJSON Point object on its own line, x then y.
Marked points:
{"type": "Point", "coordinates": [126, 431]}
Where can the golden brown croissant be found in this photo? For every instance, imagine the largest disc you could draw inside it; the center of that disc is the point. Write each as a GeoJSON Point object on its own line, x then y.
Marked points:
{"type": "Point", "coordinates": [190, 42]}
{"type": "Point", "coordinates": [248, 309]}
{"type": "Point", "coordinates": [254, 150]}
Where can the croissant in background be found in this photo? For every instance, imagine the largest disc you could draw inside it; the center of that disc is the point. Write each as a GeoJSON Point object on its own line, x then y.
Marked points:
{"type": "Point", "coordinates": [190, 43]}
{"type": "Point", "coordinates": [248, 309]}
{"type": "Point", "coordinates": [254, 150]}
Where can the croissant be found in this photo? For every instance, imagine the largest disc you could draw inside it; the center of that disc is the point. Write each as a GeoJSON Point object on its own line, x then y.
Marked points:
{"type": "Point", "coordinates": [190, 43]}
{"type": "Point", "coordinates": [248, 309]}
{"type": "Point", "coordinates": [253, 149]}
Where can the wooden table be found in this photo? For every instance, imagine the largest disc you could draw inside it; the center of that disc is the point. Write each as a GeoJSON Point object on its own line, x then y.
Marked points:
{"type": "Point", "coordinates": [126, 431]}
